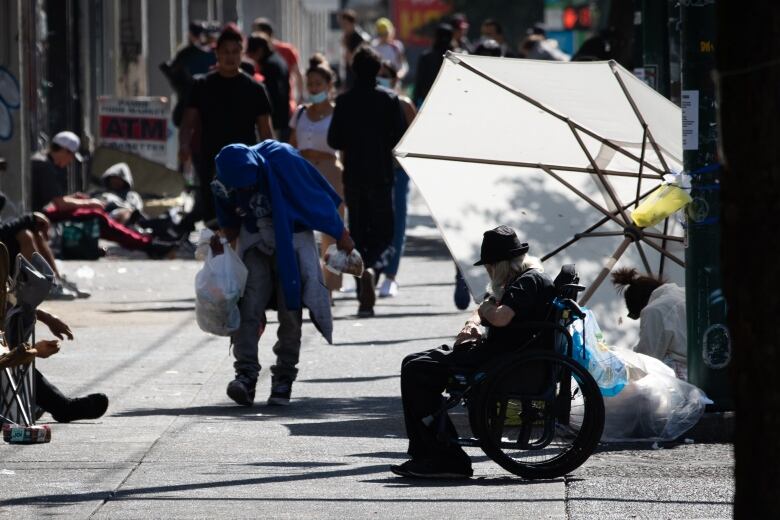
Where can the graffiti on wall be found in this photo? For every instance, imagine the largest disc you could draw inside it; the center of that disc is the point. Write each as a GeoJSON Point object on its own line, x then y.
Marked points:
{"type": "Point", "coordinates": [10, 99]}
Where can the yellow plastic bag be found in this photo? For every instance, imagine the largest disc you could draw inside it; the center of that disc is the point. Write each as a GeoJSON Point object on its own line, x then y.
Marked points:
{"type": "Point", "coordinates": [660, 204]}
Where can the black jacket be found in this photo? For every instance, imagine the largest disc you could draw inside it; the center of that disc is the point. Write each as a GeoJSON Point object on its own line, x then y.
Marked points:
{"type": "Point", "coordinates": [427, 69]}
{"type": "Point", "coordinates": [277, 83]}
{"type": "Point", "coordinates": [367, 123]}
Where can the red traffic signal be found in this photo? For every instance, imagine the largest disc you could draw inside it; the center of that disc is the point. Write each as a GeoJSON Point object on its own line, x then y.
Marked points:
{"type": "Point", "coordinates": [577, 18]}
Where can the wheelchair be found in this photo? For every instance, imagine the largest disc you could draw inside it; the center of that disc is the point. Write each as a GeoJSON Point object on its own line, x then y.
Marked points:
{"type": "Point", "coordinates": [536, 411]}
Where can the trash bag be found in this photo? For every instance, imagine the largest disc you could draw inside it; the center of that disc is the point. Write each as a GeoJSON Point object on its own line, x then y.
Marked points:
{"type": "Point", "coordinates": [219, 286]}
{"type": "Point", "coordinates": [662, 203]}
{"type": "Point", "coordinates": [339, 262]}
{"type": "Point", "coordinates": [592, 353]}
{"type": "Point", "coordinates": [654, 405]}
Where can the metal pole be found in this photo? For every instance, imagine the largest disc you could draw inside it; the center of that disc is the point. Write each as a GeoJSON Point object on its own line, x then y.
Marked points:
{"type": "Point", "coordinates": [709, 346]}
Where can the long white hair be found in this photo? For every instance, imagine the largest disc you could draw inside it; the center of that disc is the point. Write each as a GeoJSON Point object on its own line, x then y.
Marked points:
{"type": "Point", "coordinates": [507, 270]}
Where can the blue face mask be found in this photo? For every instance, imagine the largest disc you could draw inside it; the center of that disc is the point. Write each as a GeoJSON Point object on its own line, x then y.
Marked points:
{"type": "Point", "coordinates": [385, 82]}
{"type": "Point", "coordinates": [319, 97]}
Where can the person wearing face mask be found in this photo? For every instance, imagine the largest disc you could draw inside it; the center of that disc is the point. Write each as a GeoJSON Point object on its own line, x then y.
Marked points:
{"type": "Point", "coordinates": [388, 78]}
{"type": "Point", "coordinates": [309, 133]}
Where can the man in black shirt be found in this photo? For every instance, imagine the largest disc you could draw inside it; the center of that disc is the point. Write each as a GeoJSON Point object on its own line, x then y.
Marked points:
{"type": "Point", "coordinates": [277, 80]}
{"type": "Point", "coordinates": [367, 123]}
{"type": "Point", "coordinates": [520, 292]}
{"type": "Point", "coordinates": [225, 107]}
{"type": "Point", "coordinates": [430, 62]}
{"type": "Point", "coordinates": [351, 39]}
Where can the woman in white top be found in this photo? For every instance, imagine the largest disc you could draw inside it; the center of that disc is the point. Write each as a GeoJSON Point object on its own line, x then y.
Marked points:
{"type": "Point", "coordinates": [309, 133]}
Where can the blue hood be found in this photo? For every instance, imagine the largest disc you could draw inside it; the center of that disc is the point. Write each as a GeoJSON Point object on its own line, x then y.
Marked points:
{"type": "Point", "coordinates": [238, 165]}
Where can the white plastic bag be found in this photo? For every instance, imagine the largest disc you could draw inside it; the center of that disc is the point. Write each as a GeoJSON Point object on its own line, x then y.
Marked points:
{"type": "Point", "coordinates": [654, 405]}
{"type": "Point", "coordinates": [339, 262]}
{"type": "Point", "coordinates": [219, 286]}
{"type": "Point", "coordinates": [202, 249]}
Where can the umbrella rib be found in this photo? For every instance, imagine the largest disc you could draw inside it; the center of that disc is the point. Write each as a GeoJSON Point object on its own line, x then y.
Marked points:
{"type": "Point", "coordinates": [663, 236]}
{"type": "Point", "coordinates": [601, 234]}
{"type": "Point", "coordinates": [638, 115]}
{"type": "Point", "coordinates": [603, 179]}
{"type": "Point", "coordinates": [611, 261]}
{"type": "Point", "coordinates": [641, 156]}
{"type": "Point", "coordinates": [585, 233]}
{"type": "Point", "coordinates": [644, 258]}
{"type": "Point", "coordinates": [663, 245]}
{"type": "Point", "coordinates": [415, 155]}
{"type": "Point", "coordinates": [539, 105]}
{"type": "Point", "coordinates": [587, 199]}
{"type": "Point", "coordinates": [664, 252]}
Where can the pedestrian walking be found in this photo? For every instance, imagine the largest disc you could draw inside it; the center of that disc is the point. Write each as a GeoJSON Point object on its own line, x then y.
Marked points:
{"type": "Point", "coordinates": [309, 133]}
{"type": "Point", "coordinates": [277, 81]}
{"type": "Point", "coordinates": [430, 62]}
{"type": "Point", "coordinates": [389, 48]}
{"type": "Point", "coordinates": [460, 26]}
{"type": "Point", "coordinates": [367, 123]}
{"type": "Point", "coordinates": [492, 29]}
{"type": "Point", "coordinates": [291, 56]}
{"type": "Point", "coordinates": [271, 199]}
{"type": "Point", "coordinates": [351, 38]}
{"type": "Point", "coordinates": [226, 106]}
{"type": "Point", "coordinates": [388, 78]}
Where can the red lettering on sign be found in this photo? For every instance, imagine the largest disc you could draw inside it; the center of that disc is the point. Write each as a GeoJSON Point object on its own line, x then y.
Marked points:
{"type": "Point", "coordinates": [134, 128]}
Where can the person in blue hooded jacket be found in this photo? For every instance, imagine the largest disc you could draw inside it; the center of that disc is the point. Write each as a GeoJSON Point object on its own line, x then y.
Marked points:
{"type": "Point", "coordinates": [268, 200]}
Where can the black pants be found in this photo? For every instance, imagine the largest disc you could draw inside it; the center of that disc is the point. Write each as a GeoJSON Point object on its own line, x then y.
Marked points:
{"type": "Point", "coordinates": [48, 396]}
{"type": "Point", "coordinates": [424, 377]}
{"type": "Point", "coordinates": [370, 210]}
{"type": "Point", "coordinates": [203, 209]}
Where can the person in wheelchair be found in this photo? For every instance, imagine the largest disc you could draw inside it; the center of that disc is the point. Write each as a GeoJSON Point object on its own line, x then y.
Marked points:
{"type": "Point", "coordinates": [519, 292]}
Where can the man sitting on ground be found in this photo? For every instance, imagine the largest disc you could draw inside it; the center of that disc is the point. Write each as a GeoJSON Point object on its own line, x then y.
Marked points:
{"type": "Point", "coordinates": [50, 196]}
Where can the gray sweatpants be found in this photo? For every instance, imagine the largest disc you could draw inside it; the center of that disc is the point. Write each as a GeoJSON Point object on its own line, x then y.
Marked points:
{"type": "Point", "coordinates": [260, 286]}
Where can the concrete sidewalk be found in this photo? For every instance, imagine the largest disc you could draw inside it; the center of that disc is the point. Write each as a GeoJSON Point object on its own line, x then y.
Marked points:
{"type": "Point", "coordinates": [172, 445]}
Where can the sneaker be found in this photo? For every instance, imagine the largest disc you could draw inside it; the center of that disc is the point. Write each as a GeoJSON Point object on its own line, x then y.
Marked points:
{"type": "Point", "coordinates": [428, 468]}
{"type": "Point", "coordinates": [88, 407]}
{"type": "Point", "coordinates": [242, 389]}
{"type": "Point", "coordinates": [281, 388]}
{"type": "Point", "coordinates": [462, 296]}
{"type": "Point", "coordinates": [72, 287]}
{"type": "Point", "coordinates": [59, 292]}
{"type": "Point", "coordinates": [367, 293]}
{"type": "Point", "coordinates": [365, 312]}
{"type": "Point", "coordinates": [388, 289]}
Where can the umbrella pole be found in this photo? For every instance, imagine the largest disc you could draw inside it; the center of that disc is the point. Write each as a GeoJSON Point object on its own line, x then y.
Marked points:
{"type": "Point", "coordinates": [611, 261]}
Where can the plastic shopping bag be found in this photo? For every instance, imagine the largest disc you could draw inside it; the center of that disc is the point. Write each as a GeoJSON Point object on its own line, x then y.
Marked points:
{"type": "Point", "coordinates": [592, 352]}
{"type": "Point", "coordinates": [339, 262]}
{"type": "Point", "coordinates": [219, 286]}
{"type": "Point", "coordinates": [662, 203]}
{"type": "Point", "coordinates": [654, 405]}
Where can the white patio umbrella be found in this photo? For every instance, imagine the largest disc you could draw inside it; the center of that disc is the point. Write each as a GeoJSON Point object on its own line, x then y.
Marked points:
{"type": "Point", "coordinates": [562, 152]}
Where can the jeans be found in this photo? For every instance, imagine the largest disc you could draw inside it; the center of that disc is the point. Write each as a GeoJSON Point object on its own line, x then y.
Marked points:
{"type": "Point", "coordinates": [400, 203]}
{"type": "Point", "coordinates": [261, 285]}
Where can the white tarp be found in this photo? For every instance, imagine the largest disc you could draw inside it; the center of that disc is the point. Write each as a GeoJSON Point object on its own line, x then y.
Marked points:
{"type": "Point", "coordinates": [471, 120]}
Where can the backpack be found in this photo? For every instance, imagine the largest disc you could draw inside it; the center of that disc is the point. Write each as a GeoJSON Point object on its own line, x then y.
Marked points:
{"type": "Point", "coordinates": [80, 240]}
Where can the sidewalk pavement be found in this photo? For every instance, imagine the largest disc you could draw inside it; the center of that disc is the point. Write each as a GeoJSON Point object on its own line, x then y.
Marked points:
{"type": "Point", "coordinates": [172, 445]}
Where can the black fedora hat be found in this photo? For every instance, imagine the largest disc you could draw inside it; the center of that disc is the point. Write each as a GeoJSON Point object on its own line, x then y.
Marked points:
{"type": "Point", "coordinates": [500, 244]}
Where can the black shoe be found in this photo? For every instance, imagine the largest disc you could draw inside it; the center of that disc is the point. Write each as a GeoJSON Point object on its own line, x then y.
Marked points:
{"type": "Point", "coordinates": [89, 407]}
{"type": "Point", "coordinates": [242, 389]}
{"type": "Point", "coordinates": [428, 468]}
{"type": "Point", "coordinates": [281, 388]}
{"type": "Point", "coordinates": [367, 294]}
{"type": "Point", "coordinates": [462, 296]}
{"type": "Point", "coordinates": [158, 249]}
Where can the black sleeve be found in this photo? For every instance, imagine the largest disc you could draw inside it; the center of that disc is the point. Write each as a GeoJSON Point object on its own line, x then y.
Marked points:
{"type": "Point", "coordinates": [45, 184]}
{"type": "Point", "coordinates": [263, 102]}
{"type": "Point", "coordinates": [196, 93]}
{"type": "Point", "coordinates": [398, 121]}
{"type": "Point", "coordinates": [10, 228]}
{"type": "Point", "coordinates": [522, 295]}
{"type": "Point", "coordinates": [337, 138]}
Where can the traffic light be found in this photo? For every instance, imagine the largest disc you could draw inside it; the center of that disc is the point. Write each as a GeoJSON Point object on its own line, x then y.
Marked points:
{"type": "Point", "coordinates": [577, 18]}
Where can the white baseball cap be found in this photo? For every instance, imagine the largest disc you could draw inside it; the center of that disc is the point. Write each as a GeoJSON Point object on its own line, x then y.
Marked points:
{"type": "Point", "coordinates": [70, 142]}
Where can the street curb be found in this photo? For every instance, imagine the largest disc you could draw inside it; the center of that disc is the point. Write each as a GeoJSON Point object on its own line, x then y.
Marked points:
{"type": "Point", "coordinates": [713, 427]}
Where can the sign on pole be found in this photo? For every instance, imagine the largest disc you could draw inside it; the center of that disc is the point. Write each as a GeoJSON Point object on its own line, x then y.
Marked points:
{"type": "Point", "coordinates": [138, 125]}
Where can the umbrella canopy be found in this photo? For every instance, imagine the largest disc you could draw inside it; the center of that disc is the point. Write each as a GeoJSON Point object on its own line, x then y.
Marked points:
{"type": "Point", "coordinates": [561, 152]}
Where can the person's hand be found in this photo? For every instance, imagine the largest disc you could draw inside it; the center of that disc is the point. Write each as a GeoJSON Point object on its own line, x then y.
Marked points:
{"type": "Point", "coordinates": [41, 223]}
{"type": "Point", "coordinates": [345, 243]}
{"type": "Point", "coordinates": [58, 327]}
{"type": "Point", "coordinates": [46, 348]}
{"type": "Point", "coordinates": [92, 204]}
{"type": "Point", "coordinates": [217, 248]}
{"type": "Point", "coordinates": [485, 307]}
{"type": "Point", "coordinates": [468, 333]}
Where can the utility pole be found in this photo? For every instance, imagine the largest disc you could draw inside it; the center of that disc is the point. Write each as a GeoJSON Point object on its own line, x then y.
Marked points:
{"type": "Point", "coordinates": [709, 344]}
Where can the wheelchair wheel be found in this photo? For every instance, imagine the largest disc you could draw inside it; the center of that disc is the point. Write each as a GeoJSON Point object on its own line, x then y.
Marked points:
{"type": "Point", "coordinates": [538, 416]}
